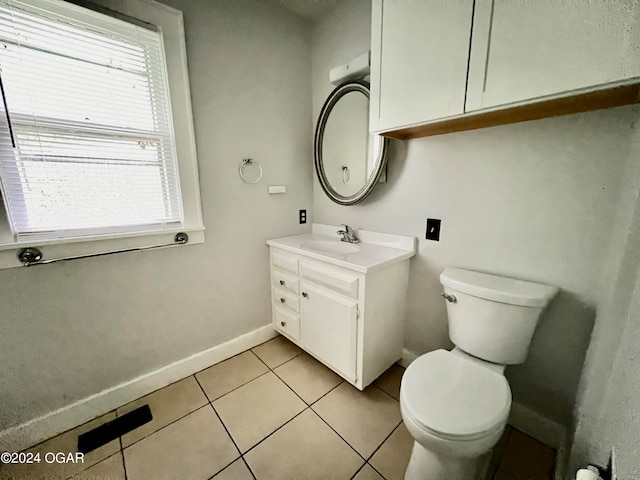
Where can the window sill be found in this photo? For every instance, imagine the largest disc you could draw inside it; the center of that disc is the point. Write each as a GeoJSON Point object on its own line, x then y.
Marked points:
{"type": "Point", "coordinates": [88, 246]}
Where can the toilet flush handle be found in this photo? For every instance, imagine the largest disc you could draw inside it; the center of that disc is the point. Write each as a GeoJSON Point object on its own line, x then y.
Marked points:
{"type": "Point", "coordinates": [449, 298]}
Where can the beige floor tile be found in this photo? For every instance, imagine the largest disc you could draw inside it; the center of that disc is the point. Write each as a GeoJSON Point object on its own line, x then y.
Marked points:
{"type": "Point", "coordinates": [364, 419]}
{"type": "Point", "coordinates": [276, 351]}
{"type": "Point", "coordinates": [226, 376]}
{"type": "Point", "coordinates": [368, 473]}
{"type": "Point", "coordinates": [304, 448]}
{"type": "Point", "coordinates": [256, 409]}
{"type": "Point", "coordinates": [195, 447]}
{"type": "Point", "coordinates": [525, 457]}
{"type": "Point", "coordinates": [66, 443]}
{"type": "Point", "coordinates": [392, 458]}
{"type": "Point", "coordinates": [308, 377]}
{"type": "Point", "coordinates": [236, 471]}
{"type": "Point", "coordinates": [389, 381]}
{"type": "Point", "coordinates": [167, 405]}
{"type": "Point", "coordinates": [110, 469]}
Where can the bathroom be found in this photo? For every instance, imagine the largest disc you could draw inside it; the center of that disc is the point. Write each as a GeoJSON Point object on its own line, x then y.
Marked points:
{"type": "Point", "coordinates": [553, 201]}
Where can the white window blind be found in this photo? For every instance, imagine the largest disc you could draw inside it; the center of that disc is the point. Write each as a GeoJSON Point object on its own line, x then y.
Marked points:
{"type": "Point", "coordinates": [86, 140]}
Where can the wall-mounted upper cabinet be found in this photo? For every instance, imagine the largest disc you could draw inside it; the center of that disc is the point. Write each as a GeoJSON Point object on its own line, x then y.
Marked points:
{"type": "Point", "coordinates": [420, 52]}
{"type": "Point", "coordinates": [505, 60]}
{"type": "Point", "coordinates": [525, 50]}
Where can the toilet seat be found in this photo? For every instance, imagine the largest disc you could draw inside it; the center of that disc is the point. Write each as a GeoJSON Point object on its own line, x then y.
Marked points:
{"type": "Point", "coordinates": [454, 398]}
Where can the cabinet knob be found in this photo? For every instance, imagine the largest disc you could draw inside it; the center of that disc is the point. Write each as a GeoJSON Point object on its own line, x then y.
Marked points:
{"type": "Point", "coordinates": [282, 300]}
{"type": "Point", "coordinates": [283, 323]}
{"type": "Point", "coordinates": [281, 282]}
{"type": "Point", "coordinates": [305, 294]}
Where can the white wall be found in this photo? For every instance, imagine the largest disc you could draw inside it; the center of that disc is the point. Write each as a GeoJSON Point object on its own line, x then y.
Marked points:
{"type": "Point", "coordinates": [69, 330]}
{"type": "Point", "coordinates": [537, 200]}
{"type": "Point", "coordinates": [608, 398]}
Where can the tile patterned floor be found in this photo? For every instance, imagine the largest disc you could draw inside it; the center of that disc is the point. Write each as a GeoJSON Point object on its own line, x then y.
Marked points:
{"type": "Point", "coordinates": [272, 412]}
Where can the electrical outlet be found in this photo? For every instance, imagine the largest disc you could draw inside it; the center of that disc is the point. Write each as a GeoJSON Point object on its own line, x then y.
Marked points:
{"type": "Point", "coordinates": [433, 229]}
{"type": "Point", "coordinates": [302, 216]}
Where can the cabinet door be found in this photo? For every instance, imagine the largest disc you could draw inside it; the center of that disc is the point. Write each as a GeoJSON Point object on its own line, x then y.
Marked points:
{"type": "Point", "coordinates": [419, 58]}
{"type": "Point", "coordinates": [328, 328]}
{"type": "Point", "coordinates": [530, 49]}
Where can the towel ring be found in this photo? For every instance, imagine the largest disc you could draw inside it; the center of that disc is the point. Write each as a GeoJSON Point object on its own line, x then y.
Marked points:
{"type": "Point", "coordinates": [249, 161]}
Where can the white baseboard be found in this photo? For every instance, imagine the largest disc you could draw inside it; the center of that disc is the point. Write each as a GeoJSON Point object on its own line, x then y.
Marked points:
{"type": "Point", "coordinates": [53, 423]}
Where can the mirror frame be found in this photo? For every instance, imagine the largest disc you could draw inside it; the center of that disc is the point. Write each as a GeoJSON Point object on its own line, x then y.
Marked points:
{"type": "Point", "coordinates": [381, 143]}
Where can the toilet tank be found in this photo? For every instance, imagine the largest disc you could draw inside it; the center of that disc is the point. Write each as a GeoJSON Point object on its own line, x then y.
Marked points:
{"type": "Point", "coordinates": [492, 317]}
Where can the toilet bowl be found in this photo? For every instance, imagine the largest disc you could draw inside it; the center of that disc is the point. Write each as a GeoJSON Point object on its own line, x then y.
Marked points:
{"type": "Point", "coordinates": [456, 411]}
{"type": "Point", "coordinates": [456, 403]}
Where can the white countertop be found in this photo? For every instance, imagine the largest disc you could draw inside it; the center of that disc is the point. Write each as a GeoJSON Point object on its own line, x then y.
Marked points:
{"type": "Point", "coordinates": [375, 250]}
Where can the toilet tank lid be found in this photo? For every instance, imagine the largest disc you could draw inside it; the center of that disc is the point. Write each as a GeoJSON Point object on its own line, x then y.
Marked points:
{"type": "Point", "coordinates": [498, 289]}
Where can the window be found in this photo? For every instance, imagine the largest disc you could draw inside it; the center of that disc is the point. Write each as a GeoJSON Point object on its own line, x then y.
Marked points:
{"type": "Point", "coordinates": [87, 146]}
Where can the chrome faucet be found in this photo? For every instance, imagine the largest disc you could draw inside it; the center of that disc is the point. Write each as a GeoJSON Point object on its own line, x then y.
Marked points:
{"type": "Point", "coordinates": [348, 234]}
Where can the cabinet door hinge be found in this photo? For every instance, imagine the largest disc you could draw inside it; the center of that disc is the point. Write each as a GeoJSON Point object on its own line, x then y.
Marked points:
{"type": "Point", "coordinates": [357, 312]}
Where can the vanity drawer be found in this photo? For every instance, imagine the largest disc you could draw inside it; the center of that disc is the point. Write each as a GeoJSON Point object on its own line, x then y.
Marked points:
{"type": "Point", "coordinates": [287, 323]}
{"type": "Point", "coordinates": [286, 299]}
{"type": "Point", "coordinates": [330, 278]}
{"type": "Point", "coordinates": [285, 280]}
{"type": "Point", "coordinates": [284, 262]}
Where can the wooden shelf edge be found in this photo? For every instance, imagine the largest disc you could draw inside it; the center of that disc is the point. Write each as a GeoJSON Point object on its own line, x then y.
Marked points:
{"type": "Point", "coordinates": [583, 102]}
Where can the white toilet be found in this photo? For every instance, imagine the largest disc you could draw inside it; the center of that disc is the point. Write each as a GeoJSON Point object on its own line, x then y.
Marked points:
{"type": "Point", "coordinates": [456, 403]}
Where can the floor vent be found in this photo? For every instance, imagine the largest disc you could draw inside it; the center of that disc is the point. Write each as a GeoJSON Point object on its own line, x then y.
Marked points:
{"type": "Point", "coordinates": [99, 436]}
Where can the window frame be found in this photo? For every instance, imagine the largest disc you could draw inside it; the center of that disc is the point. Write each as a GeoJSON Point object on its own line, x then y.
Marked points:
{"type": "Point", "coordinates": [170, 22]}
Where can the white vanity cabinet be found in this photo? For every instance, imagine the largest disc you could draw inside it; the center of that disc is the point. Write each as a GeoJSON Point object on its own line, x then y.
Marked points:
{"type": "Point", "coordinates": [469, 64]}
{"type": "Point", "coordinates": [351, 321]}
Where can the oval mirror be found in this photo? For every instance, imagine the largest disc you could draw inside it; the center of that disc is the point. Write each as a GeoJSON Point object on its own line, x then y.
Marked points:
{"type": "Point", "coordinates": [348, 159]}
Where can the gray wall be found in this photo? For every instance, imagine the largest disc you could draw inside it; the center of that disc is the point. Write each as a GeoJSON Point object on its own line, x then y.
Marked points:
{"type": "Point", "coordinates": [541, 201]}
{"type": "Point", "coordinates": [70, 330]}
{"type": "Point", "coordinates": [609, 395]}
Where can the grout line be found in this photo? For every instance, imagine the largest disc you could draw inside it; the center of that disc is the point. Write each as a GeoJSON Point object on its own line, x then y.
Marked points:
{"type": "Point", "coordinates": [371, 467]}
{"type": "Point", "coordinates": [376, 470]}
{"type": "Point", "coordinates": [223, 425]}
{"type": "Point", "coordinates": [313, 403]}
{"type": "Point", "coordinates": [280, 364]}
{"type": "Point", "coordinates": [225, 467]}
{"type": "Point", "coordinates": [383, 390]}
{"type": "Point", "coordinates": [248, 467]}
{"type": "Point", "coordinates": [221, 361]}
{"type": "Point", "coordinates": [233, 390]}
{"type": "Point", "coordinates": [280, 427]}
{"type": "Point", "coordinates": [290, 388]}
{"type": "Point", "coordinates": [165, 426]}
{"type": "Point", "coordinates": [383, 441]}
{"type": "Point", "coordinates": [358, 471]}
{"type": "Point", "coordinates": [336, 432]}
{"type": "Point", "coordinates": [124, 465]}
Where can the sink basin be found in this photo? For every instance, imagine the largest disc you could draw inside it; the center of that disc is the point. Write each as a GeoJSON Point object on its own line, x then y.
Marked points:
{"type": "Point", "coordinates": [327, 246]}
